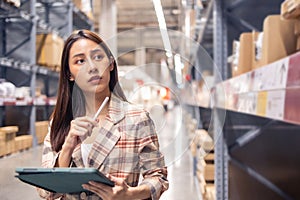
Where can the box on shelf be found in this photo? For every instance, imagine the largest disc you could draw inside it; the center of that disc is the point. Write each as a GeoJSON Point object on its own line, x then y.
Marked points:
{"type": "Point", "coordinates": [2, 144]}
{"type": "Point", "coordinates": [85, 6]}
{"type": "Point", "coordinates": [244, 55]}
{"type": "Point", "coordinates": [209, 158]}
{"type": "Point", "coordinates": [210, 192]}
{"type": "Point", "coordinates": [209, 172]}
{"type": "Point", "coordinates": [7, 139]}
{"type": "Point", "coordinates": [49, 49]}
{"type": "Point", "coordinates": [297, 33]}
{"type": "Point", "coordinates": [279, 39]}
{"type": "Point", "coordinates": [41, 130]}
{"type": "Point", "coordinates": [290, 9]}
{"type": "Point", "coordinates": [23, 142]}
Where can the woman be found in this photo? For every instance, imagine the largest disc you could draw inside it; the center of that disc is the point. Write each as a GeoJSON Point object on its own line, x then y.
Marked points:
{"type": "Point", "coordinates": [121, 142]}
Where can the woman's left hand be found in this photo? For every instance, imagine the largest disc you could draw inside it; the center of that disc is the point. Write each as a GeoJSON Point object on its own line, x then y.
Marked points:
{"type": "Point", "coordinates": [120, 191]}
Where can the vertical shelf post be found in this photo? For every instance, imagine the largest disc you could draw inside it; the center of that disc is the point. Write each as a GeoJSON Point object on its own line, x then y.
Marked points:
{"type": "Point", "coordinates": [33, 74]}
{"type": "Point", "coordinates": [220, 59]}
{"type": "Point", "coordinates": [70, 18]}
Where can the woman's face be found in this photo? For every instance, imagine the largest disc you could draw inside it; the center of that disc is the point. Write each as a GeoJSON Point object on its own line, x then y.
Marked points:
{"type": "Point", "coordinates": [90, 66]}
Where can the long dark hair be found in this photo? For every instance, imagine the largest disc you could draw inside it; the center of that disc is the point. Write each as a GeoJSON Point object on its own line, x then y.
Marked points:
{"type": "Point", "coordinates": [68, 107]}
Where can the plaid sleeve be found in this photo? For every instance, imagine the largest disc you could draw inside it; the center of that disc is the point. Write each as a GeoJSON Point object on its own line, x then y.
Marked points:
{"type": "Point", "coordinates": [49, 158]}
{"type": "Point", "coordinates": [152, 162]}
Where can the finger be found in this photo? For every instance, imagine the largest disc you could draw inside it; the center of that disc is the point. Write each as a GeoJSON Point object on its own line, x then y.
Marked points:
{"type": "Point", "coordinates": [84, 124]}
{"type": "Point", "coordinates": [88, 119]}
{"type": "Point", "coordinates": [100, 186]}
{"type": "Point", "coordinates": [91, 120]}
{"type": "Point", "coordinates": [96, 190]}
{"type": "Point", "coordinates": [117, 181]}
{"type": "Point", "coordinates": [81, 130]}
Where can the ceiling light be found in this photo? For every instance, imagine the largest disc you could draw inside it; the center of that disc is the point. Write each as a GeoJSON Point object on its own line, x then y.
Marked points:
{"type": "Point", "coordinates": [162, 25]}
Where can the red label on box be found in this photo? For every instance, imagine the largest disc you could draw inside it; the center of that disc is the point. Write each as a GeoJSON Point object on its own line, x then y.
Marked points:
{"type": "Point", "coordinates": [292, 105]}
{"type": "Point", "coordinates": [293, 78]}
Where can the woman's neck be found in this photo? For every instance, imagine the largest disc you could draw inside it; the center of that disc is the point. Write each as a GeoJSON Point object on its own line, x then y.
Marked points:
{"type": "Point", "coordinates": [94, 101]}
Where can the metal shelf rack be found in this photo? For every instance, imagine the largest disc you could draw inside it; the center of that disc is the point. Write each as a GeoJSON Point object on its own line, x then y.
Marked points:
{"type": "Point", "coordinates": [256, 157]}
{"type": "Point", "coordinates": [18, 30]}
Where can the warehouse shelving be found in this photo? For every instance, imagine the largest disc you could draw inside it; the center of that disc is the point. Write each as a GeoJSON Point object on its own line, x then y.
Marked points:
{"type": "Point", "coordinates": [19, 27]}
{"type": "Point", "coordinates": [256, 141]}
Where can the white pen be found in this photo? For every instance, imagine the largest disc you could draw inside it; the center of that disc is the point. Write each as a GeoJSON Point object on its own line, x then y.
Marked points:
{"type": "Point", "coordinates": [101, 107]}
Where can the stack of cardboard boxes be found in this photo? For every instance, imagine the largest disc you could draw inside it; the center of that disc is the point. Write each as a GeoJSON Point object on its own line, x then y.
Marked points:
{"type": "Point", "coordinates": [11, 143]}
{"type": "Point", "coordinates": [49, 49]}
{"type": "Point", "coordinates": [41, 130]}
{"type": "Point", "coordinates": [23, 142]}
{"type": "Point", "coordinates": [256, 49]}
{"type": "Point", "coordinates": [7, 139]}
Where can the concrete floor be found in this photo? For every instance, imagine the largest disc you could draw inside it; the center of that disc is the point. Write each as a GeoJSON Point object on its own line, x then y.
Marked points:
{"type": "Point", "coordinates": [173, 143]}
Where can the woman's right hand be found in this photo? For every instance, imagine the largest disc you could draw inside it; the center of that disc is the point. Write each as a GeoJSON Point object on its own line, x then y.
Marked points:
{"type": "Point", "coordinates": [80, 129]}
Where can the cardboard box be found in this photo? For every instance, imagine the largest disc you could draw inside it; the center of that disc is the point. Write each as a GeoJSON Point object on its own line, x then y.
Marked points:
{"type": "Point", "coordinates": [210, 192]}
{"type": "Point", "coordinates": [2, 144]}
{"type": "Point", "coordinates": [297, 32]}
{"type": "Point", "coordinates": [85, 7]}
{"type": "Point", "coordinates": [49, 49]}
{"type": "Point", "coordinates": [279, 39]}
{"type": "Point", "coordinates": [290, 9]}
{"type": "Point", "coordinates": [245, 55]}
{"type": "Point", "coordinates": [8, 134]}
{"type": "Point", "coordinates": [209, 158]}
{"type": "Point", "coordinates": [23, 142]}
{"type": "Point", "coordinates": [209, 172]}
{"type": "Point", "coordinates": [41, 130]}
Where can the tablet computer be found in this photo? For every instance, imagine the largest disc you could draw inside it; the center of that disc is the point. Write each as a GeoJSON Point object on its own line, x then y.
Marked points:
{"type": "Point", "coordinates": [61, 180]}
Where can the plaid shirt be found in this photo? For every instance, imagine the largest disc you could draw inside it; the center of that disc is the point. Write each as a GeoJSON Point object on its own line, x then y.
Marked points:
{"type": "Point", "coordinates": [127, 146]}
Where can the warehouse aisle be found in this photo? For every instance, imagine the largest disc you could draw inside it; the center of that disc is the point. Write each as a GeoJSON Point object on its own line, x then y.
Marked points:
{"type": "Point", "coordinates": [179, 167]}
{"type": "Point", "coordinates": [10, 187]}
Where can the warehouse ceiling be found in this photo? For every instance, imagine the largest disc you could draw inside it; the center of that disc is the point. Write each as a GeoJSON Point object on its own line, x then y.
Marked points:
{"type": "Point", "coordinates": [141, 13]}
{"type": "Point", "coordinates": [137, 20]}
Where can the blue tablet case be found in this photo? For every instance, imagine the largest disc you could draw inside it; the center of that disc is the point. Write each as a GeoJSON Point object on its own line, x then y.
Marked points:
{"type": "Point", "coordinates": [61, 180]}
